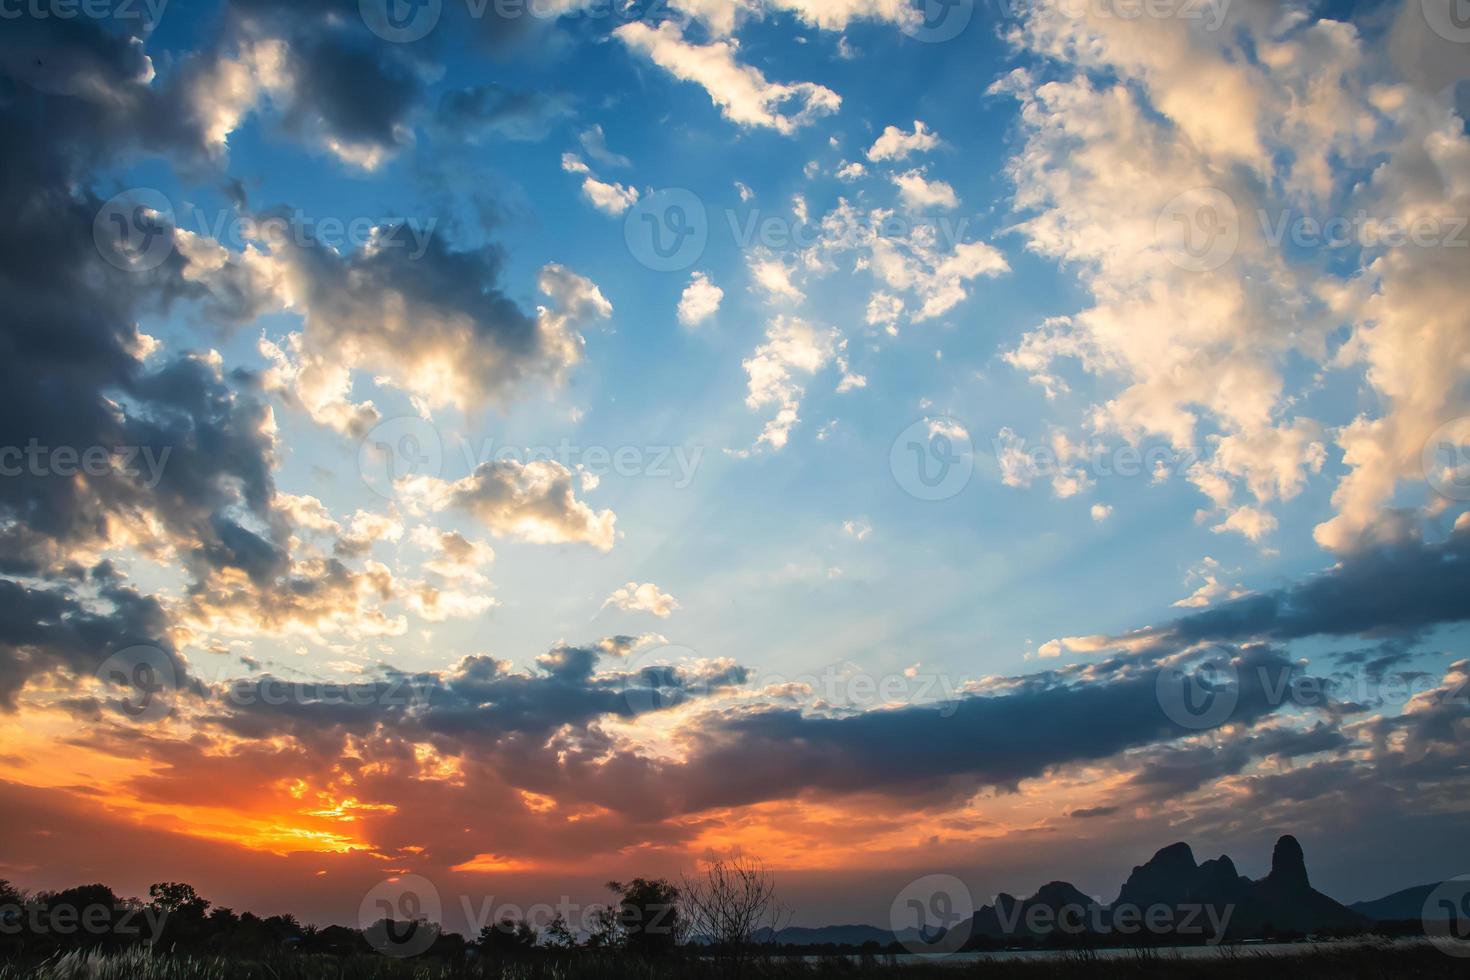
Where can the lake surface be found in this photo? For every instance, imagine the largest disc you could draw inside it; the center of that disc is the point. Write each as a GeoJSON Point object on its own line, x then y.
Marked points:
{"type": "Point", "coordinates": [1234, 950]}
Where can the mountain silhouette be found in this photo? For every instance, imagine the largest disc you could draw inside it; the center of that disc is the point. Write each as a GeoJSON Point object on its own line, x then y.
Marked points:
{"type": "Point", "coordinates": [1283, 901]}
{"type": "Point", "coordinates": [1202, 902]}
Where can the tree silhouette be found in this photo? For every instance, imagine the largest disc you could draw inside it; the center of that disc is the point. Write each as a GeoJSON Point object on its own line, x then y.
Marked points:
{"type": "Point", "coordinates": [648, 916]}
{"type": "Point", "coordinates": [507, 938]}
{"type": "Point", "coordinates": [729, 901]}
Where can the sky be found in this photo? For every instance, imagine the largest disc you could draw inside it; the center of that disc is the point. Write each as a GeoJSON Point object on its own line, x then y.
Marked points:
{"type": "Point", "coordinates": [511, 446]}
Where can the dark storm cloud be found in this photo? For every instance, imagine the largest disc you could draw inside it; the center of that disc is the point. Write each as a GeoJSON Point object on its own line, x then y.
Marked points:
{"type": "Point", "coordinates": [45, 631]}
{"type": "Point", "coordinates": [996, 740]}
{"type": "Point", "coordinates": [345, 84]}
{"type": "Point", "coordinates": [1397, 587]}
{"type": "Point", "coordinates": [73, 375]}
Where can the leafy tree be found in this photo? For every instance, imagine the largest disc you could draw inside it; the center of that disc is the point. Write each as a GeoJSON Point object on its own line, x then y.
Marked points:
{"type": "Point", "coordinates": [507, 938]}
{"type": "Point", "coordinates": [184, 914]}
{"type": "Point", "coordinates": [648, 916]}
{"type": "Point", "coordinates": [559, 935]}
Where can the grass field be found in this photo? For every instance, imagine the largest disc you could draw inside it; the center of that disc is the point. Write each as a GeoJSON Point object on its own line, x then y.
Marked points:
{"type": "Point", "coordinates": [1328, 963]}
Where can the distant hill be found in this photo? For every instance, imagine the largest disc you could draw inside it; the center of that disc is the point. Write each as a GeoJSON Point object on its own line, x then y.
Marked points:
{"type": "Point", "coordinates": [1401, 905]}
{"type": "Point", "coordinates": [823, 935]}
{"type": "Point", "coordinates": [1284, 901]}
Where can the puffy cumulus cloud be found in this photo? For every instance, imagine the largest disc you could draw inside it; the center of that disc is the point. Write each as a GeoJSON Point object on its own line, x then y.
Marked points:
{"type": "Point", "coordinates": [421, 316]}
{"type": "Point", "coordinates": [308, 597]}
{"type": "Point", "coordinates": [792, 346]}
{"type": "Point", "coordinates": [189, 445]}
{"type": "Point", "coordinates": [741, 92]}
{"type": "Point", "coordinates": [918, 193]}
{"type": "Point", "coordinates": [534, 501]}
{"type": "Point", "coordinates": [645, 597]}
{"type": "Point", "coordinates": [895, 144]}
{"type": "Point", "coordinates": [332, 84]}
{"type": "Point", "coordinates": [774, 276]}
{"type": "Point", "coordinates": [1207, 573]}
{"type": "Point", "coordinates": [700, 300]}
{"type": "Point", "coordinates": [927, 259]}
{"type": "Point", "coordinates": [608, 198]}
{"type": "Point", "coordinates": [1316, 120]}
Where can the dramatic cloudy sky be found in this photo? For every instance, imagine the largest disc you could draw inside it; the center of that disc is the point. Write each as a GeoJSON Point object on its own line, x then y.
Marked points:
{"type": "Point", "coordinates": [919, 398]}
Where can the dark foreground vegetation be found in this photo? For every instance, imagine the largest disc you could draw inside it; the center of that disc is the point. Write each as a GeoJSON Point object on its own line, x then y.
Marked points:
{"type": "Point", "coordinates": [1333, 962]}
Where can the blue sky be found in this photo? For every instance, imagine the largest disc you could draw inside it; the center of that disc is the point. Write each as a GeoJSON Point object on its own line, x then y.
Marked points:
{"type": "Point", "coordinates": [1054, 244]}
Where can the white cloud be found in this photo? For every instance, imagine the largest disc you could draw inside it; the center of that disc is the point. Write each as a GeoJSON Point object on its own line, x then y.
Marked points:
{"type": "Point", "coordinates": [773, 277]}
{"type": "Point", "coordinates": [646, 597]}
{"type": "Point", "coordinates": [741, 92]}
{"type": "Point", "coordinates": [792, 346]}
{"type": "Point", "coordinates": [594, 141]}
{"type": "Point", "coordinates": [1101, 512]}
{"type": "Point", "coordinates": [534, 501]}
{"type": "Point", "coordinates": [700, 301]}
{"type": "Point", "coordinates": [918, 193]}
{"type": "Point", "coordinates": [895, 144]}
{"type": "Point", "coordinates": [609, 198]}
{"type": "Point", "coordinates": [1278, 116]}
